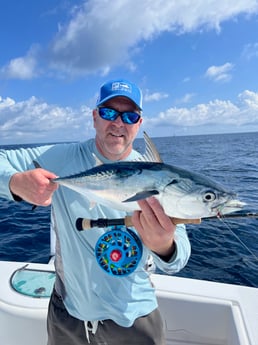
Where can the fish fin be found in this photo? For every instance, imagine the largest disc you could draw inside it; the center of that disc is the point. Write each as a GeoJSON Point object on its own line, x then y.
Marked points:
{"type": "Point", "coordinates": [36, 164]}
{"type": "Point", "coordinates": [151, 153]}
{"type": "Point", "coordinates": [142, 195]}
{"type": "Point", "coordinates": [97, 160]}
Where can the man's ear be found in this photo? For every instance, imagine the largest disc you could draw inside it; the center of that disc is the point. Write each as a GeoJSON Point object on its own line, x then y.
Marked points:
{"type": "Point", "coordinates": [94, 115]}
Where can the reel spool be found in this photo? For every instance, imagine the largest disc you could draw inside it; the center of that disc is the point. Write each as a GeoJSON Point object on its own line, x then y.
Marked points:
{"type": "Point", "coordinates": [118, 251]}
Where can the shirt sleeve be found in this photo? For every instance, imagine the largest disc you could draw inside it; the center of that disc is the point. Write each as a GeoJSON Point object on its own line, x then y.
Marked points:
{"type": "Point", "coordinates": [7, 169]}
{"type": "Point", "coordinates": [63, 158]}
{"type": "Point", "coordinates": [14, 161]}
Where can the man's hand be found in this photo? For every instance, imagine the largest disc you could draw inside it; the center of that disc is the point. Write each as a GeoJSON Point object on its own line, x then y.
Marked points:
{"type": "Point", "coordinates": [154, 227]}
{"type": "Point", "coordinates": [34, 186]}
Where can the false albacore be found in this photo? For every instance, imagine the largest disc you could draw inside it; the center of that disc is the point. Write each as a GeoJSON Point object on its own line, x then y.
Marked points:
{"type": "Point", "coordinates": [182, 193]}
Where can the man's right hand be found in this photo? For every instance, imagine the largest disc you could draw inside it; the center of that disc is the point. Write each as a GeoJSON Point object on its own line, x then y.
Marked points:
{"type": "Point", "coordinates": [34, 186]}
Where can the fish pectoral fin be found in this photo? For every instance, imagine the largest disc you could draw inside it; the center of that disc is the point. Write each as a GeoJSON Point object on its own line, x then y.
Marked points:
{"type": "Point", "coordinates": [97, 160]}
{"type": "Point", "coordinates": [36, 165]}
{"type": "Point", "coordinates": [142, 195]}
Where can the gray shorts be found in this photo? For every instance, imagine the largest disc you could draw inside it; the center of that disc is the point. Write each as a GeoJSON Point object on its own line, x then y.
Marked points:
{"type": "Point", "coordinates": [66, 330]}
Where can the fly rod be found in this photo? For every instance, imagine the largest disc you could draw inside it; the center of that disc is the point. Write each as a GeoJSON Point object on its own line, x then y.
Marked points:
{"type": "Point", "coordinates": [86, 224]}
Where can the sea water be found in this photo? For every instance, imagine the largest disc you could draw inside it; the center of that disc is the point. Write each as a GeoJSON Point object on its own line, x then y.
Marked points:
{"type": "Point", "coordinates": [221, 251]}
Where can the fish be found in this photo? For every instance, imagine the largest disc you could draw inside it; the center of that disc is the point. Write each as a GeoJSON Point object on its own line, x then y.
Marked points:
{"type": "Point", "coordinates": [181, 193]}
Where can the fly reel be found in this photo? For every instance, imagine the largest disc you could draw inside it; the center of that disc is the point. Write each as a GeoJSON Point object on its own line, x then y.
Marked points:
{"type": "Point", "coordinates": [118, 251]}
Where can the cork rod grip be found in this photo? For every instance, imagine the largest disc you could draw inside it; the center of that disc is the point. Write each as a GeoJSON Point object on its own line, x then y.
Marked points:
{"type": "Point", "coordinates": [86, 224]}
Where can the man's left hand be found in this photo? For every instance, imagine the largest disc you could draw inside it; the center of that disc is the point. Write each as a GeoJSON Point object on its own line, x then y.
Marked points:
{"type": "Point", "coordinates": [154, 227]}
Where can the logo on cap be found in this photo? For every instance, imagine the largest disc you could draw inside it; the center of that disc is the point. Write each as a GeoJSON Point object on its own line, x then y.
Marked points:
{"type": "Point", "coordinates": [118, 86]}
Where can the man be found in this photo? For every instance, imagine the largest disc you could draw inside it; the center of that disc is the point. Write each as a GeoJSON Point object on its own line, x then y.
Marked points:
{"type": "Point", "coordinates": [87, 304]}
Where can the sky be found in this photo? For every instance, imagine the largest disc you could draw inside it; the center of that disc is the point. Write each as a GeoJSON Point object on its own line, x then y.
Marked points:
{"type": "Point", "coordinates": [196, 62]}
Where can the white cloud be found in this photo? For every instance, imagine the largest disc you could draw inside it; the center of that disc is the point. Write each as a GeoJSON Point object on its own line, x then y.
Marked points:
{"type": "Point", "coordinates": [217, 112]}
{"type": "Point", "coordinates": [36, 121]}
{"type": "Point", "coordinates": [22, 67]}
{"type": "Point", "coordinates": [103, 33]}
{"type": "Point", "coordinates": [251, 51]}
{"type": "Point", "coordinates": [186, 98]}
{"type": "Point", "coordinates": [186, 80]}
{"type": "Point", "coordinates": [249, 100]}
{"type": "Point", "coordinates": [220, 73]}
{"type": "Point", "coordinates": [155, 96]}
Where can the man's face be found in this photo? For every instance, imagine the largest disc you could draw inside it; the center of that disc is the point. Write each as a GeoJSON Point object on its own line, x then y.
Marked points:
{"type": "Point", "coordinates": [114, 139]}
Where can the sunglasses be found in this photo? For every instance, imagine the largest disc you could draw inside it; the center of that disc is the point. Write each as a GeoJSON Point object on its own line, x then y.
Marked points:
{"type": "Point", "coordinates": [128, 117]}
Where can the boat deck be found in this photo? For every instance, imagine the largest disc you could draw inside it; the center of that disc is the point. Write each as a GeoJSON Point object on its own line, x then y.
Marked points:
{"type": "Point", "coordinates": [195, 312]}
{"type": "Point", "coordinates": [206, 313]}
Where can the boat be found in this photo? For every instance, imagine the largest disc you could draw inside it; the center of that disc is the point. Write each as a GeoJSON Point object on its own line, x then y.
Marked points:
{"type": "Point", "coordinates": [196, 312]}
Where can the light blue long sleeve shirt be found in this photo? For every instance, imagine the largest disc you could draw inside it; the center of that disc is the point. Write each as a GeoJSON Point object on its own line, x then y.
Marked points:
{"type": "Point", "coordinates": [89, 293]}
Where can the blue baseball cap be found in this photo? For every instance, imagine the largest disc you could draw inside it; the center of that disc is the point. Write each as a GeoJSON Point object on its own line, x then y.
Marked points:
{"type": "Point", "coordinates": [120, 87]}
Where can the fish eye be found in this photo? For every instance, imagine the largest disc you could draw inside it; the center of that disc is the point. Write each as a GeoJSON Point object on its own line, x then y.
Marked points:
{"type": "Point", "coordinates": [209, 196]}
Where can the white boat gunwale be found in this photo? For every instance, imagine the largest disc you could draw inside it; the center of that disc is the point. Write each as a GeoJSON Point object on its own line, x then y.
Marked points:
{"type": "Point", "coordinates": [195, 311]}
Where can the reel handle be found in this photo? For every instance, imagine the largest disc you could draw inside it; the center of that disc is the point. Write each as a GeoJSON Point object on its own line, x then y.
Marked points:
{"type": "Point", "coordinates": [86, 224]}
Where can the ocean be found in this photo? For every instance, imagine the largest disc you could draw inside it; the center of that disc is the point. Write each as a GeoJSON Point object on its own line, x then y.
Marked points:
{"type": "Point", "coordinates": [222, 251]}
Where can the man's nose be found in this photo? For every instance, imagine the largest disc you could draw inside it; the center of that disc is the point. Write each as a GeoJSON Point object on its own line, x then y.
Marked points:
{"type": "Point", "coordinates": [118, 121]}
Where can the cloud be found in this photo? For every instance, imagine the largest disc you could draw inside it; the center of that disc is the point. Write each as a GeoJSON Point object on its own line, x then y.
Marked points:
{"type": "Point", "coordinates": [250, 51]}
{"type": "Point", "coordinates": [249, 101]}
{"type": "Point", "coordinates": [36, 121]}
{"type": "Point", "coordinates": [220, 73]}
{"type": "Point", "coordinates": [155, 96]}
{"type": "Point", "coordinates": [216, 112]}
{"type": "Point", "coordinates": [33, 120]}
{"type": "Point", "coordinates": [103, 34]}
{"type": "Point", "coordinates": [186, 98]}
{"type": "Point", "coordinates": [22, 67]}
